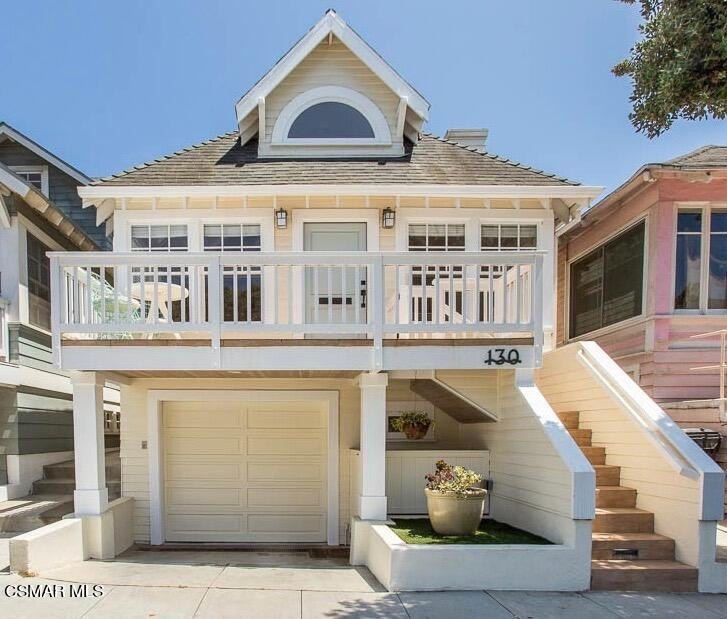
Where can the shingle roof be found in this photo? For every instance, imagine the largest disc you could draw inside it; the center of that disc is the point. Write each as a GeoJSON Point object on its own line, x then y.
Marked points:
{"type": "Point", "coordinates": [709, 156]}
{"type": "Point", "coordinates": [223, 161]}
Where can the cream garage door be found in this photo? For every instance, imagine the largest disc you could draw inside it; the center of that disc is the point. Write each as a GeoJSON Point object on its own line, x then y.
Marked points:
{"type": "Point", "coordinates": [245, 471]}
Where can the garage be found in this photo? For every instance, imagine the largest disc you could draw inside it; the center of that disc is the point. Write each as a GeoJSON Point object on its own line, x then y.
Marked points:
{"type": "Point", "coordinates": [248, 469]}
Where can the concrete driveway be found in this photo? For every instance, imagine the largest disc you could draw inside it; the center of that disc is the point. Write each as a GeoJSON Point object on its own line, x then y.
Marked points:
{"type": "Point", "coordinates": [283, 585]}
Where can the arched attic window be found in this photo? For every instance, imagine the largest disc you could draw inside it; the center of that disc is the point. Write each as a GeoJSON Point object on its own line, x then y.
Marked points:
{"type": "Point", "coordinates": [331, 115]}
{"type": "Point", "coordinates": [331, 119]}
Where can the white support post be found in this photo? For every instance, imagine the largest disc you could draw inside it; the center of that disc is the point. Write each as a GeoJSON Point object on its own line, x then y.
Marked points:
{"type": "Point", "coordinates": [372, 500]}
{"type": "Point", "coordinates": [91, 495]}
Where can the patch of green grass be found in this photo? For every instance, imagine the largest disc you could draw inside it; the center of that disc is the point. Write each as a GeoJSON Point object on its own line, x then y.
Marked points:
{"type": "Point", "coordinates": [419, 531]}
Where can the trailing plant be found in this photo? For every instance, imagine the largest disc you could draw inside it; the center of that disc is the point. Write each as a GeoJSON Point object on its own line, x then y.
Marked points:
{"type": "Point", "coordinates": [455, 479]}
{"type": "Point", "coordinates": [410, 418]}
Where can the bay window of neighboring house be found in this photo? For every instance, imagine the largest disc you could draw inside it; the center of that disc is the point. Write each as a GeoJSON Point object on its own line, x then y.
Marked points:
{"type": "Point", "coordinates": [38, 265]}
{"type": "Point", "coordinates": [700, 282]}
{"type": "Point", "coordinates": [606, 285]}
{"type": "Point", "coordinates": [242, 286]}
{"type": "Point", "coordinates": [435, 237]}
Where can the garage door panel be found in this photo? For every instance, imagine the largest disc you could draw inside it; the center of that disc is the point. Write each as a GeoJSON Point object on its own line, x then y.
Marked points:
{"type": "Point", "coordinates": [196, 418]}
{"type": "Point", "coordinates": [284, 472]}
{"type": "Point", "coordinates": [265, 444]}
{"type": "Point", "coordinates": [282, 524]}
{"type": "Point", "coordinates": [210, 497]}
{"type": "Point", "coordinates": [284, 498]}
{"type": "Point", "coordinates": [178, 445]}
{"type": "Point", "coordinates": [271, 420]}
{"type": "Point", "coordinates": [248, 472]}
{"type": "Point", "coordinates": [201, 523]}
{"type": "Point", "coordinates": [210, 471]}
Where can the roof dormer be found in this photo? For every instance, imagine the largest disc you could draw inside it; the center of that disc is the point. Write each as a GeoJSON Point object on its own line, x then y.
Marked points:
{"type": "Point", "coordinates": [331, 95]}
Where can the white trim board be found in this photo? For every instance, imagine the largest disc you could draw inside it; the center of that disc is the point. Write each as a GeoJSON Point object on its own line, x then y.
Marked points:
{"type": "Point", "coordinates": [155, 399]}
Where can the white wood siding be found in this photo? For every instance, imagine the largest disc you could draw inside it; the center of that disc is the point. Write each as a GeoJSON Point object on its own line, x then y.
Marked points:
{"type": "Point", "coordinates": [332, 65]}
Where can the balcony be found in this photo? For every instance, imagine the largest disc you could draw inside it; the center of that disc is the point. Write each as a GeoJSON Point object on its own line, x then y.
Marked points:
{"type": "Point", "coordinates": [279, 310]}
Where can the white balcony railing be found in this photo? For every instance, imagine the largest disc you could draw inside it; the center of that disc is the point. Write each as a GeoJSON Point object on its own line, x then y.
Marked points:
{"type": "Point", "coordinates": [4, 337]}
{"type": "Point", "coordinates": [304, 294]}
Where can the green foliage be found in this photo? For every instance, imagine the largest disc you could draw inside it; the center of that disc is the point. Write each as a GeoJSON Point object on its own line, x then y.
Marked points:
{"type": "Point", "coordinates": [414, 418]}
{"type": "Point", "coordinates": [456, 479]}
{"type": "Point", "coordinates": [679, 68]}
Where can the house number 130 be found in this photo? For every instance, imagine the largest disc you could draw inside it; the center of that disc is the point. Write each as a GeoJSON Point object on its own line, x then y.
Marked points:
{"type": "Point", "coordinates": [502, 356]}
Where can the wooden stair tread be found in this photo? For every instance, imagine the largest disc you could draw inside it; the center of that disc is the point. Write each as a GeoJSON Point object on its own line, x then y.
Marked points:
{"type": "Point", "coordinates": [629, 537]}
{"type": "Point", "coordinates": [639, 566]}
{"type": "Point", "coordinates": [625, 511]}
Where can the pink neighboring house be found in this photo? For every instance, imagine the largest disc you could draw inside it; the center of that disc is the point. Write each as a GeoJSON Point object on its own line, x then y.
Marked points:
{"type": "Point", "coordinates": [644, 271]}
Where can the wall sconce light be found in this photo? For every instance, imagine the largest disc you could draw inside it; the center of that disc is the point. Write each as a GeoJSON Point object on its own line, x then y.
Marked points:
{"type": "Point", "coordinates": [281, 219]}
{"type": "Point", "coordinates": [388, 218]}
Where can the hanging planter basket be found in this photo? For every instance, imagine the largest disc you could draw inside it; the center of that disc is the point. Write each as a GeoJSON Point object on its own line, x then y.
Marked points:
{"type": "Point", "coordinates": [413, 424]}
{"type": "Point", "coordinates": [415, 431]}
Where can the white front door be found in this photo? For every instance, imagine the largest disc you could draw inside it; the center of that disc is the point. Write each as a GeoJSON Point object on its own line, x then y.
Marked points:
{"type": "Point", "coordinates": [335, 295]}
{"type": "Point", "coordinates": [247, 471]}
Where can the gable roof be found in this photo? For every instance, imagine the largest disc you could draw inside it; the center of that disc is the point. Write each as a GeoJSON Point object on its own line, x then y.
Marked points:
{"type": "Point", "coordinates": [11, 183]}
{"type": "Point", "coordinates": [710, 156]}
{"type": "Point", "coordinates": [431, 161]}
{"type": "Point", "coordinates": [7, 131]}
{"type": "Point", "coordinates": [331, 24]}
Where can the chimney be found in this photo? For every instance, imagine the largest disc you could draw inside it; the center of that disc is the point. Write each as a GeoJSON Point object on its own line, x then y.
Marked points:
{"type": "Point", "coordinates": [475, 138]}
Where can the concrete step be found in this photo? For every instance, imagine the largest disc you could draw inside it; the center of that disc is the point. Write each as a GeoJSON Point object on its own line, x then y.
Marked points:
{"type": "Point", "coordinates": [623, 520]}
{"type": "Point", "coordinates": [632, 546]}
{"type": "Point", "coordinates": [570, 419]}
{"type": "Point", "coordinates": [33, 511]}
{"type": "Point", "coordinates": [67, 470]}
{"type": "Point", "coordinates": [607, 475]}
{"type": "Point", "coordinates": [67, 486]}
{"type": "Point", "coordinates": [615, 496]}
{"type": "Point", "coordinates": [595, 455]}
{"type": "Point", "coordinates": [617, 575]}
{"type": "Point", "coordinates": [581, 437]}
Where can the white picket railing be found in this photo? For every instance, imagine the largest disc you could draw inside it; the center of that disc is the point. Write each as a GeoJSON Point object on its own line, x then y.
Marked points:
{"type": "Point", "coordinates": [4, 337]}
{"type": "Point", "coordinates": [356, 294]}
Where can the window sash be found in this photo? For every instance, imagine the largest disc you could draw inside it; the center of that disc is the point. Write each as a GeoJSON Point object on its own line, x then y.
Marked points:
{"type": "Point", "coordinates": [597, 298]}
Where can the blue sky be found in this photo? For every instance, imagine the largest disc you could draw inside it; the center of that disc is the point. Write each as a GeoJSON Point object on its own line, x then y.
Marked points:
{"type": "Point", "coordinates": [106, 85]}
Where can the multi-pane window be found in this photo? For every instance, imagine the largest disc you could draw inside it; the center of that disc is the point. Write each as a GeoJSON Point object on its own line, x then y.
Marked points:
{"type": "Point", "coordinates": [35, 175]}
{"type": "Point", "coordinates": [701, 260]}
{"type": "Point", "coordinates": [606, 285]}
{"type": "Point", "coordinates": [38, 283]}
{"type": "Point", "coordinates": [434, 237]}
{"type": "Point", "coordinates": [510, 237]}
{"type": "Point", "coordinates": [157, 238]}
{"type": "Point", "coordinates": [241, 285]}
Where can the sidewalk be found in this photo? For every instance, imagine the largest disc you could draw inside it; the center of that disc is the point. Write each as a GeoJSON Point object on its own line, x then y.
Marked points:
{"type": "Point", "coordinates": [292, 585]}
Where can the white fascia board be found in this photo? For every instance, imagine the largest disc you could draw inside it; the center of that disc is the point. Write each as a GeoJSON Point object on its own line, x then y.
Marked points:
{"type": "Point", "coordinates": [97, 192]}
{"type": "Point", "coordinates": [8, 131]}
{"type": "Point", "coordinates": [331, 23]}
{"type": "Point", "coordinates": [13, 182]}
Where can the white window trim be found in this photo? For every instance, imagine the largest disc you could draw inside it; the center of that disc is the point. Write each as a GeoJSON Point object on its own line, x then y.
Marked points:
{"type": "Point", "coordinates": [644, 283]}
{"type": "Point", "coordinates": [337, 94]}
{"type": "Point", "coordinates": [35, 169]}
{"type": "Point", "coordinates": [155, 399]}
{"type": "Point", "coordinates": [706, 209]}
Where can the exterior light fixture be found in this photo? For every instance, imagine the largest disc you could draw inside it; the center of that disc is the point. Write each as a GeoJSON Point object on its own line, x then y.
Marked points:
{"type": "Point", "coordinates": [281, 219]}
{"type": "Point", "coordinates": [388, 218]}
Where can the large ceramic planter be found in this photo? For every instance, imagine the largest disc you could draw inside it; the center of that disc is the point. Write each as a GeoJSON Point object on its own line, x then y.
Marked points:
{"type": "Point", "coordinates": [453, 514]}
